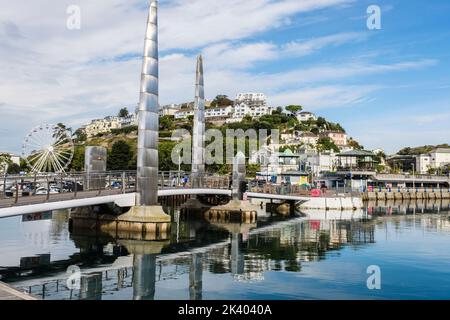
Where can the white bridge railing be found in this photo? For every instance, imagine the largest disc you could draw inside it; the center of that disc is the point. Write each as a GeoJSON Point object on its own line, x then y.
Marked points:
{"type": "Point", "coordinates": [26, 189]}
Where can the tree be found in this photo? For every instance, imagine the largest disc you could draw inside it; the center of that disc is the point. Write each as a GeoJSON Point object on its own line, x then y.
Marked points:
{"type": "Point", "coordinates": [80, 135]}
{"type": "Point", "coordinates": [221, 101]}
{"type": "Point", "coordinates": [61, 127]}
{"type": "Point", "coordinates": [321, 122]}
{"type": "Point", "coordinates": [294, 109]}
{"type": "Point", "coordinates": [277, 111]}
{"type": "Point", "coordinates": [326, 144]}
{"type": "Point", "coordinates": [120, 157]}
{"type": "Point", "coordinates": [355, 144]}
{"type": "Point", "coordinates": [77, 163]}
{"type": "Point", "coordinates": [123, 113]}
{"type": "Point", "coordinates": [166, 123]}
{"type": "Point", "coordinates": [5, 160]}
{"type": "Point", "coordinates": [14, 168]}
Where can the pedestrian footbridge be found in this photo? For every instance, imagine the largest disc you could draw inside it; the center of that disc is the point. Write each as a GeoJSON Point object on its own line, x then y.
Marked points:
{"type": "Point", "coordinates": [23, 195]}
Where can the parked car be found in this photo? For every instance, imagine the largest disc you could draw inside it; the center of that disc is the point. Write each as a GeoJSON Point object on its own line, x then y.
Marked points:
{"type": "Point", "coordinates": [41, 191]}
{"type": "Point", "coordinates": [116, 185]}
{"type": "Point", "coordinates": [44, 191]}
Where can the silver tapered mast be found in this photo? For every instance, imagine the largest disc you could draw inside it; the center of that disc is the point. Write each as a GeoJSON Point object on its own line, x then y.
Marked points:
{"type": "Point", "coordinates": [147, 159]}
{"type": "Point", "coordinates": [198, 140]}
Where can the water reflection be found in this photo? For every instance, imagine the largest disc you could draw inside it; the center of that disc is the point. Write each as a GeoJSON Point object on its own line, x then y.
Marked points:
{"type": "Point", "coordinates": [201, 252]}
{"type": "Point", "coordinates": [144, 276]}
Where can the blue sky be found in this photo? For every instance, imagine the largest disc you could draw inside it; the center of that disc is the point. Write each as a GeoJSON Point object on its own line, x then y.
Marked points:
{"type": "Point", "coordinates": [389, 88]}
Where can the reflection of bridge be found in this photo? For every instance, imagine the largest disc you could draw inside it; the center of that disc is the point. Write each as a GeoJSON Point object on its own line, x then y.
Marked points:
{"type": "Point", "coordinates": [241, 255]}
{"type": "Point", "coordinates": [22, 195]}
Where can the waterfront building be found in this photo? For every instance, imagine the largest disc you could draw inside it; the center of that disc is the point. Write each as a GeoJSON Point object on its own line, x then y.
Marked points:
{"type": "Point", "coordinates": [128, 121]}
{"type": "Point", "coordinates": [306, 116]}
{"type": "Point", "coordinates": [338, 137]}
{"type": "Point", "coordinates": [98, 126]}
{"type": "Point", "coordinates": [105, 125]}
{"type": "Point", "coordinates": [8, 156]}
{"type": "Point", "coordinates": [356, 160]}
{"type": "Point", "coordinates": [251, 104]}
{"type": "Point", "coordinates": [12, 156]}
{"type": "Point", "coordinates": [210, 113]}
{"type": "Point", "coordinates": [282, 167]}
{"type": "Point", "coordinates": [241, 110]}
{"type": "Point", "coordinates": [440, 158]}
{"type": "Point", "coordinates": [317, 163]}
{"type": "Point", "coordinates": [252, 100]}
{"type": "Point", "coordinates": [401, 163]}
{"type": "Point", "coordinates": [306, 140]}
{"type": "Point", "coordinates": [354, 170]}
{"type": "Point", "coordinates": [423, 163]}
{"type": "Point", "coordinates": [219, 112]}
{"type": "Point", "coordinates": [436, 159]}
{"type": "Point", "coordinates": [169, 110]}
{"type": "Point", "coordinates": [184, 114]}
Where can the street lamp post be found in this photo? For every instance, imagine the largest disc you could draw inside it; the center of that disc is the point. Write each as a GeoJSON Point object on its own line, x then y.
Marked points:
{"type": "Point", "coordinates": [179, 167]}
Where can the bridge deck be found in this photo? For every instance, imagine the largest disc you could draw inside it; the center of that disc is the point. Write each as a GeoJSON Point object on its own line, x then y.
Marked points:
{"type": "Point", "coordinates": [9, 293]}
{"type": "Point", "coordinates": [23, 201]}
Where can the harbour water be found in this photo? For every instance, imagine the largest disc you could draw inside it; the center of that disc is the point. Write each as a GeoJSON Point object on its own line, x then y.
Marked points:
{"type": "Point", "coordinates": [313, 256]}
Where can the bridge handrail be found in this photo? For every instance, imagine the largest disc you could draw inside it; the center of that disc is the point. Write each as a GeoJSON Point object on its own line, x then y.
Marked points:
{"type": "Point", "coordinates": [18, 187]}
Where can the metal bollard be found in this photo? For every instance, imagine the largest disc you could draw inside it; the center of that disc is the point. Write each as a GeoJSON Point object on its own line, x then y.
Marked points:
{"type": "Point", "coordinates": [17, 193]}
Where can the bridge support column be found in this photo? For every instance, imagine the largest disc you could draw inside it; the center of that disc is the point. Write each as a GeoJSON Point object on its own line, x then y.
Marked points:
{"type": "Point", "coordinates": [237, 203]}
{"type": "Point", "coordinates": [198, 138]}
{"type": "Point", "coordinates": [94, 161]}
{"type": "Point", "coordinates": [147, 209]}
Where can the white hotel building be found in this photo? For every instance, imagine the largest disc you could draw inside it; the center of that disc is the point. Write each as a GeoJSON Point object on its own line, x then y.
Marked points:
{"type": "Point", "coordinates": [251, 104]}
{"type": "Point", "coordinates": [107, 124]}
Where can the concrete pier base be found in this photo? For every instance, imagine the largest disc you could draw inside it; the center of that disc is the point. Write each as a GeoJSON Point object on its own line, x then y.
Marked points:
{"type": "Point", "coordinates": [194, 204]}
{"type": "Point", "coordinates": [139, 223]}
{"type": "Point", "coordinates": [244, 209]}
{"type": "Point", "coordinates": [145, 214]}
{"type": "Point", "coordinates": [237, 206]}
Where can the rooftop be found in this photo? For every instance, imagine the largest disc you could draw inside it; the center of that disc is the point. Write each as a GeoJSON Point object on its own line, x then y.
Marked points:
{"type": "Point", "coordinates": [356, 153]}
{"type": "Point", "coordinates": [441, 150]}
{"type": "Point", "coordinates": [308, 134]}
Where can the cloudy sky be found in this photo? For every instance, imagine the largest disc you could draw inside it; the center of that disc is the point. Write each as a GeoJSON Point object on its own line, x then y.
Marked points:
{"type": "Point", "coordinates": [389, 88]}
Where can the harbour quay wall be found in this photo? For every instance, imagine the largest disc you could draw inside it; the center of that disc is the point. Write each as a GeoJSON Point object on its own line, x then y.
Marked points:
{"type": "Point", "coordinates": [333, 203]}
{"type": "Point", "coordinates": [406, 194]}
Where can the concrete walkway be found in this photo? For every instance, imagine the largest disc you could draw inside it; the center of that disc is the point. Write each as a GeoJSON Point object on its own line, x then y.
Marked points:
{"type": "Point", "coordinates": [9, 293]}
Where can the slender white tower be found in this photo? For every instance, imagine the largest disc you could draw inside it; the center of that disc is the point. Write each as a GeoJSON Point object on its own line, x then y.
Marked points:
{"type": "Point", "coordinates": [147, 158]}
{"type": "Point", "coordinates": [198, 140]}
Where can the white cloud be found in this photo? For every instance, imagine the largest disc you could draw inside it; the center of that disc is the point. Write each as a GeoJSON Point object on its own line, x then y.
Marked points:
{"type": "Point", "coordinates": [322, 97]}
{"type": "Point", "coordinates": [52, 74]}
{"type": "Point", "coordinates": [224, 20]}
{"type": "Point", "coordinates": [306, 47]}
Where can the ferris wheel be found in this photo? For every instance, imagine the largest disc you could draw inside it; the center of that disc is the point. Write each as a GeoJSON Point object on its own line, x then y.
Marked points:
{"type": "Point", "coordinates": [48, 148]}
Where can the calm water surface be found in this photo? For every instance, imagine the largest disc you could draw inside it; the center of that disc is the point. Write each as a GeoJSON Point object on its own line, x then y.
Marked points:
{"type": "Point", "coordinates": [318, 256]}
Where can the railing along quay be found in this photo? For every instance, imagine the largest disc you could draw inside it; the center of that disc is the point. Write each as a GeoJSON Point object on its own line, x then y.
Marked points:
{"type": "Point", "coordinates": [287, 189]}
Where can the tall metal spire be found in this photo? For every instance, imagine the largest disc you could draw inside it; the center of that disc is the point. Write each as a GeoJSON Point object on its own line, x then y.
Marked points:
{"type": "Point", "coordinates": [147, 159]}
{"type": "Point", "coordinates": [198, 140]}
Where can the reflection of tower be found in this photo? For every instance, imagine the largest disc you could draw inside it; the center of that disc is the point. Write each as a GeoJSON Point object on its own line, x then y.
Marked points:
{"type": "Point", "coordinates": [144, 276]}
{"type": "Point", "coordinates": [195, 277]}
{"type": "Point", "coordinates": [237, 258]}
{"type": "Point", "coordinates": [91, 286]}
